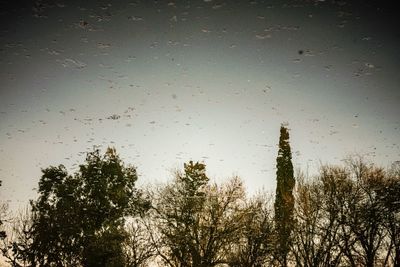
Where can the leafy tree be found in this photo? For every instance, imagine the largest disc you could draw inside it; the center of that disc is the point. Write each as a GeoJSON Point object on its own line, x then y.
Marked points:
{"type": "Point", "coordinates": [79, 219]}
{"type": "Point", "coordinates": [284, 200]}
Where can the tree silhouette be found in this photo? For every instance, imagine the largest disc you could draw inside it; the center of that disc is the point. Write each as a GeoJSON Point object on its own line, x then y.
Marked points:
{"type": "Point", "coordinates": [79, 219]}
{"type": "Point", "coordinates": [198, 223]}
{"type": "Point", "coordinates": [177, 208]}
{"type": "Point", "coordinates": [284, 200]}
{"type": "Point", "coordinates": [344, 216]}
{"type": "Point", "coordinates": [390, 199]}
{"type": "Point", "coordinates": [254, 245]}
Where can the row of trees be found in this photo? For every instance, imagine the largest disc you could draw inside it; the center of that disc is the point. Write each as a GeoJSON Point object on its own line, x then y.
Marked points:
{"type": "Point", "coordinates": [348, 216]}
{"type": "Point", "coordinates": [344, 216]}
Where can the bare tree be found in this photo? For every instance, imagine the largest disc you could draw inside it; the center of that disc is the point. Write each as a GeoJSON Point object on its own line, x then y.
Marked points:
{"type": "Point", "coordinates": [347, 216]}
{"type": "Point", "coordinates": [139, 249]}
{"type": "Point", "coordinates": [197, 222]}
{"type": "Point", "coordinates": [317, 213]}
{"type": "Point", "coordinates": [366, 218]}
{"type": "Point", "coordinates": [256, 243]}
{"type": "Point", "coordinates": [390, 201]}
{"type": "Point", "coordinates": [15, 246]}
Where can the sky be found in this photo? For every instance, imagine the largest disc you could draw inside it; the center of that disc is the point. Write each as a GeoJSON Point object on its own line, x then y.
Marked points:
{"type": "Point", "coordinates": [165, 82]}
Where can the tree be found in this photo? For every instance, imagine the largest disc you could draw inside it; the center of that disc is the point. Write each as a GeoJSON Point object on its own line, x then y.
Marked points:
{"type": "Point", "coordinates": [318, 209]}
{"type": "Point", "coordinates": [139, 249]}
{"type": "Point", "coordinates": [390, 200]}
{"type": "Point", "coordinates": [347, 216]}
{"type": "Point", "coordinates": [79, 219]}
{"type": "Point", "coordinates": [197, 223]}
{"type": "Point", "coordinates": [366, 215]}
{"type": "Point", "coordinates": [222, 222]}
{"type": "Point", "coordinates": [177, 208]}
{"type": "Point", "coordinates": [254, 245]}
{"type": "Point", "coordinates": [15, 239]}
{"type": "Point", "coordinates": [15, 248]}
{"type": "Point", "coordinates": [284, 200]}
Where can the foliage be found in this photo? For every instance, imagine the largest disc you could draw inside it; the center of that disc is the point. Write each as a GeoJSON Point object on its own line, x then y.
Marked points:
{"type": "Point", "coordinates": [284, 199]}
{"type": "Point", "coordinates": [79, 219]}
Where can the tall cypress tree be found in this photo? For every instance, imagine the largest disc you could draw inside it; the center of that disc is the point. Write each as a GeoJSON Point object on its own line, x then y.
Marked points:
{"type": "Point", "coordinates": [284, 200]}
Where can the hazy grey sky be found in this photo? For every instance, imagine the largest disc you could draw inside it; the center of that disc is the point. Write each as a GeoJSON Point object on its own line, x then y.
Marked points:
{"type": "Point", "coordinates": [167, 82]}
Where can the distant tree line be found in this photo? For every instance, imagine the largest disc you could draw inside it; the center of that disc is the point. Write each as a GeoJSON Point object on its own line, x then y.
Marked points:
{"type": "Point", "coordinates": [345, 215]}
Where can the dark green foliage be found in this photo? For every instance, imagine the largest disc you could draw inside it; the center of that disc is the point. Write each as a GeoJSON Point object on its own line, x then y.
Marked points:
{"type": "Point", "coordinates": [104, 249]}
{"type": "Point", "coordinates": [79, 218]}
{"type": "Point", "coordinates": [284, 200]}
{"type": "Point", "coordinates": [194, 178]}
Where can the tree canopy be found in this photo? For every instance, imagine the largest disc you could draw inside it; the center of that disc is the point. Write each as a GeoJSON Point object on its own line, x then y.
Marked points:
{"type": "Point", "coordinates": [79, 219]}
